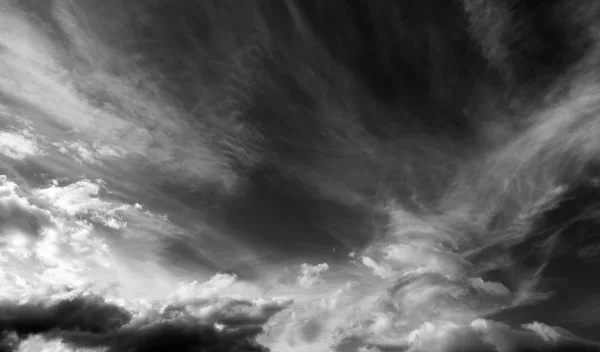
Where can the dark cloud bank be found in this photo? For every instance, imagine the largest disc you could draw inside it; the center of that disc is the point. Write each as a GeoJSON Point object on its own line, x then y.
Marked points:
{"type": "Point", "coordinates": [88, 320]}
{"type": "Point", "coordinates": [481, 113]}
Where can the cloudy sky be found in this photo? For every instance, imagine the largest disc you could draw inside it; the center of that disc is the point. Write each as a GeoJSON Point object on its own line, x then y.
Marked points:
{"type": "Point", "coordinates": [290, 175]}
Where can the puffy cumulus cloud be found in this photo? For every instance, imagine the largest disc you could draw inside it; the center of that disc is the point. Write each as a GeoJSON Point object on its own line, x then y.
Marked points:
{"type": "Point", "coordinates": [420, 280]}
{"type": "Point", "coordinates": [54, 237]}
{"type": "Point", "coordinates": [18, 214]}
{"type": "Point", "coordinates": [19, 145]}
{"type": "Point", "coordinates": [80, 234]}
{"type": "Point", "coordinates": [418, 291]}
{"type": "Point", "coordinates": [78, 197]}
{"type": "Point", "coordinates": [383, 312]}
{"type": "Point", "coordinates": [83, 199]}
{"type": "Point", "coordinates": [326, 314]}
{"type": "Point", "coordinates": [310, 274]}
{"type": "Point", "coordinates": [433, 281]}
{"type": "Point", "coordinates": [207, 318]}
{"type": "Point", "coordinates": [46, 244]}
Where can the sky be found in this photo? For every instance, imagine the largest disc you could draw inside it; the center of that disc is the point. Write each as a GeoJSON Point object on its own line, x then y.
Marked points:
{"type": "Point", "coordinates": [340, 176]}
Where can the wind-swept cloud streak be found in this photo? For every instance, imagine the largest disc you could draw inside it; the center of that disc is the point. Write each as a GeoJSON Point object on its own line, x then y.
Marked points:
{"type": "Point", "coordinates": [297, 175]}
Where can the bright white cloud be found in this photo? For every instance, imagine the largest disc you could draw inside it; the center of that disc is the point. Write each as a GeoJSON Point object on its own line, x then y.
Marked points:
{"type": "Point", "coordinates": [18, 145]}
{"type": "Point", "coordinates": [78, 197]}
{"type": "Point", "coordinates": [378, 269]}
{"type": "Point", "coordinates": [196, 290]}
{"type": "Point", "coordinates": [494, 288]}
{"type": "Point", "coordinates": [310, 274]}
{"type": "Point", "coordinates": [46, 240]}
{"type": "Point", "coordinates": [83, 198]}
{"type": "Point", "coordinates": [40, 344]}
{"type": "Point", "coordinates": [429, 335]}
{"type": "Point", "coordinates": [547, 333]}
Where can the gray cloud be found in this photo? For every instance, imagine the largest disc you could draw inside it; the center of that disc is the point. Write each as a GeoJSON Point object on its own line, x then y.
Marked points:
{"type": "Point", "coordinates": [91, 321]}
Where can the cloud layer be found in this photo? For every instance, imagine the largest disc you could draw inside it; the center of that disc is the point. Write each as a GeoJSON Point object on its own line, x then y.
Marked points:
{"type": "Point", "coordinates": [298, 175]}
{"type": "Point", "coordinates": [88, 321]}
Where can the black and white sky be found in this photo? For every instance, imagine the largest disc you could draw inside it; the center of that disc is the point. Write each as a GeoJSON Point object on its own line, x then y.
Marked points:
{"type": "Point", "coordinates": [299, 175]}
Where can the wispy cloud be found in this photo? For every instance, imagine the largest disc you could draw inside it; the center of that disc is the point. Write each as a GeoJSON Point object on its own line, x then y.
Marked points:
{"type": "Point", "coordinates": [225, 176]}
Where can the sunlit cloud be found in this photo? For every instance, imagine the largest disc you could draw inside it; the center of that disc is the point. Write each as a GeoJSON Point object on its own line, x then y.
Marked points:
{"type": "Point", "coordinates": [18, 145]}
{"type": "Point", "coordinates": [309, 274]}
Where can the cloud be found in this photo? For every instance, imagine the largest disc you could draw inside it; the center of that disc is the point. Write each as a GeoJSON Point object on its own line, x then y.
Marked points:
{"type": "Point", "coordinates": [83, 199]}
{"type": "Point", "coordinates": [67, 104]}
{"type": "Point", "coordinates": [494, 288]}
{"type": "Point", "coordinates": [209, 320]}
{"type": "Point", "coordinates": [80, 234]}
{"type": "Point", "coordinates": [78, 197]}
{"type": "Point", "coordinates": [18, 214]}
{"type": "Point", "coordinates": [378, 269]}
{"type": "Point", "coordinates": [530, 336]}
{"type": "Point", "coordinates": [424, 293]}
{"type": "Point", "coordinates": [480, 335]}
{"type": "Point", "coordinates": [50, 237]}
{"type": "Point", "coordinates": [256, 142]}
{"type": "Point", "coordinates": [85, 313]}
{"type": "Point", "coordinates": [41, 344]}
{"type": "Point", "coordinates": [310, 274]}
{"type": "Point", "coordinates": [63, 249]}
{"type": "Point", "coordinates": [92, 153]}
{"type": "Point", "coordinates": [19, 145]}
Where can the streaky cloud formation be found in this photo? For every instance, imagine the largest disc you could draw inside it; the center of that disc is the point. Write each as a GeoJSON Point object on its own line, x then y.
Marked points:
{"type": "Point", "coordinates": [299, 175]}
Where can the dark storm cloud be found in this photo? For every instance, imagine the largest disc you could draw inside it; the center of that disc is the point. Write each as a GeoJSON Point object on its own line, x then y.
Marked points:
{"type": "Point", "coordinates": [91, 321]}
{"type": "Point", "coordinates": [89, 314]}
{"type": "Point", "coordinates": [172, 336]}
